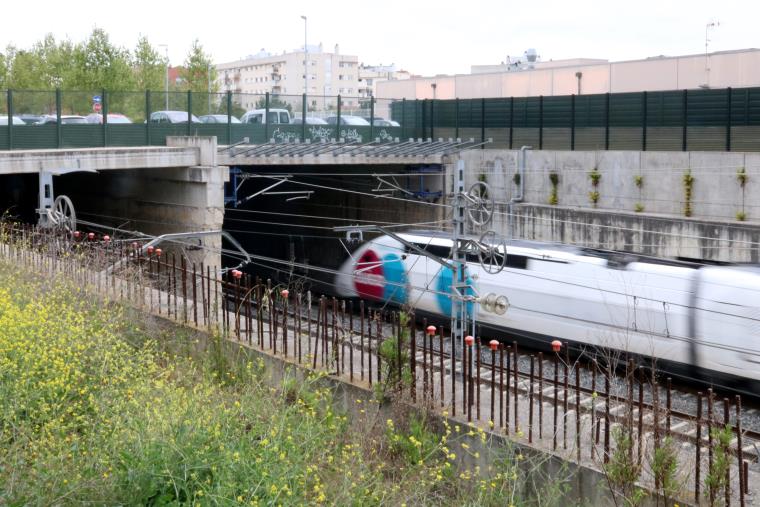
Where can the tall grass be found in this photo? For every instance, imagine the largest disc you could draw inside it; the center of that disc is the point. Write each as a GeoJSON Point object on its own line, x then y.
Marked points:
{"type": "Point", "coordinates": [98, 407]}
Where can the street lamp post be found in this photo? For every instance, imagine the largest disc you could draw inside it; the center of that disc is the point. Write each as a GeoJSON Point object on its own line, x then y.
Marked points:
{"type": "Point", "coordinates": [166, 78]}
{"type": "Point", "coordinates": [305, 59]}
{"type": "Point", "coordinates": [208, 95]}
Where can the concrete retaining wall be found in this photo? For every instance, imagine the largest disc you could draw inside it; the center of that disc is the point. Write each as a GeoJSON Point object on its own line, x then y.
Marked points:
{"type": "Point", "coordinates": [659, 228]}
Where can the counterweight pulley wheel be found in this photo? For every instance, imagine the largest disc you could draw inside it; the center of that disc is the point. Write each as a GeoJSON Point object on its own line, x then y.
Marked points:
{"type": "Point", "coordinates": [480, 203]}
{"type": "Point", "coordinates": [492, 252]}
{"type": "Point", "coordinates": [62, 214]}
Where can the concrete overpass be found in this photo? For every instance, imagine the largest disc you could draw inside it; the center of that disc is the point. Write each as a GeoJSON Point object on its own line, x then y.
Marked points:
{"type": "Point", "coordinates": [180, 188]}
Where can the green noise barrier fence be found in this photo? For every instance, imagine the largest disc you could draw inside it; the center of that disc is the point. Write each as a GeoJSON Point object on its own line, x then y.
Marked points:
{"type": "Point", "coordinates": [680, 120]}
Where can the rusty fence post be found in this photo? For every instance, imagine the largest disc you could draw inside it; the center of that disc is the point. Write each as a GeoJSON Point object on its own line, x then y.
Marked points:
{"type": "Point", "coordinates": [540, 395]}
{"type": "Point", "coordinates": [501, 386]}
{"type": "Point", "coordinates": [640, 430]}
{"type": "Point", "coordinates": [285, 299]}
{"type": "Point", "coordinates": [556, 398]}
{"type": "Point", "coordinates": [607, 413]}
{"type": "Point", "coordinates": [378, 344]}
{"type": "Point", "coordinates": [174, 286]}
{"type": "Point", "coordinates": [516, 371]}
{"type": "Point", "coordinates": [508, 395]}
{"type": "Point", "coordinates": [493, 345]}
{"type": "Point", "coordinates": [727, 424]}
{"type": "Point", "coordinates": [565, 379]}
{"type": "Point", "coordinates": [351, 340]}
{"type": "Point", "coordinates": [739, 450]}
{"type": "Point", "coordinates": [530, 399]}
{"type": "Point", "coordinates": [477, 380]}
{"type": "Point", "coordinates": [361, 339]}
{"type": "Point", "coordinates": [369, 347]}
{"type": "Point", "coordinates": [441, 366]}
{"type": "Point", "coordinates": [183, 270]}
{"type": "Point", "coordinates": [309, 304]}
{"type": "Point", "coordinates": [710, 440]}
{"type": "Point", "coordinates": [698, 447]}
{"type": "Point", "coordinates": [195, 295]}
{"type": "Point", "coordinates": [413, 358]}
{"type": "Point", "coordinates": [578, 410]}
{"type": "Point", "coordinates": [424, 360]}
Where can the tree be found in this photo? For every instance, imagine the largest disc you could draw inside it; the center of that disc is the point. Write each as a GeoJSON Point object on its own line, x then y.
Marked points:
{"type": "Point", "coordinates": [26, 71]}
{"type": "Point", "coordinates": [3, 72]}
{"type": "Point", "coordinates": [199, 71]}
{"type": "Point", "coordinates": [98, 64]}
{"type": "Point", "coordinates": [57, 61]}
{"type": "Point", "coordinates": [149, 67]}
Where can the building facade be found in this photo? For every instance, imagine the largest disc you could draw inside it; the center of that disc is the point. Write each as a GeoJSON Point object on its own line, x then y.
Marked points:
{"type": "Point", "coordinates": [328, 74]}
{"type": "Point", "coordinates": [739, 68]}
{"type": "Point", "coordinates": [371, 75]}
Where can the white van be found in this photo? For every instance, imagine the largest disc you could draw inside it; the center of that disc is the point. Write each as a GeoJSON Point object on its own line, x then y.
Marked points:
{"type": "Point", "coordinates": [276, 116]}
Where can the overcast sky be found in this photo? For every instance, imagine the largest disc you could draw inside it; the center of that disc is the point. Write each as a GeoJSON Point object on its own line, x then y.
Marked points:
{"type": "Point", "coordinates": [424, 37]}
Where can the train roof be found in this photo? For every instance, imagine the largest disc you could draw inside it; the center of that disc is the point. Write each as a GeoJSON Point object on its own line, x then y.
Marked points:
{"type": "Point", "coordinates": [613, 257]}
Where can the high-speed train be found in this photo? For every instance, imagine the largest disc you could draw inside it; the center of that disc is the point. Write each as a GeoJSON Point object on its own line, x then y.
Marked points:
{"type": "Point", "coordinates": [694, 319]}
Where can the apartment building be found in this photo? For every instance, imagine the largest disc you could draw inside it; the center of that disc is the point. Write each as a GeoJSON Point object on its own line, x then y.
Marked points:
{"type": "Point", "coordinates": [371, 75]}
{"type": "Point", "coordinates": [327, 74]}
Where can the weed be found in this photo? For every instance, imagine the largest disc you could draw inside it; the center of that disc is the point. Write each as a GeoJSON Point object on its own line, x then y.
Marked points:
{"type": "Point", "coordinates": [593, 196]}
{"type": "Point", "coordinates": [688, 186]}
{"type": "Point", "coordinates": [664, 466]}
{"type": "Point", "coordinates": [741, 175]}
{"type": "Point", "coordinates": [553, 196]}
{"type": "Point", "coordinates": [715, 481]}
{"type": "Point", "coordinates": [595, 176]}
{"type": "Point", "coordinates": [622, 470]}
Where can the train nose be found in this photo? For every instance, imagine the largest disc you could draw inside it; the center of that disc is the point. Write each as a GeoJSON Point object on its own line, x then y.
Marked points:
{"type": "Point", "coordinates": [344, 280]}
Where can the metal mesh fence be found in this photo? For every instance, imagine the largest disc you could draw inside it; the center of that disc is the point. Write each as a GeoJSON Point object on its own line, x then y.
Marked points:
{"type": "Point", "coordinates": [716, 119]}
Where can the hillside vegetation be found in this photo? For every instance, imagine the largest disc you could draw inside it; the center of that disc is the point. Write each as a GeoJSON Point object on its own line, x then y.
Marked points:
{"type": "Point", "coordinates": [97, 407]}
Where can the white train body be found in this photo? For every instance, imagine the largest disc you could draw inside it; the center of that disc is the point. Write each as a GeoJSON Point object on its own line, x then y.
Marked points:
{"type": "Point", "coordinates": [687, 314]}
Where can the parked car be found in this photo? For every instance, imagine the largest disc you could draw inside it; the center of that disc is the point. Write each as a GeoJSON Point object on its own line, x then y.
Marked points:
{"type": "Point", "coordinates": [66, 119]}
{"type": "Point", "coordinates": [112, 118]}
{"type": "Point", "coordinates": [354, 121]}
{"type": "Point", "coordinates": [31, 119]}
{"type": "Point", "coordinates": [217, 118]}
{"type": "Point", "coordinates": [276, 116]}
{"type": "Point", "coordinates": [16, 120]}
{"type": "Point", "coordinates": [166, 117]}
{"type": "Point", "coordinates": [382, 122]}
{"type": "Point", "coordinates": [310, 120]}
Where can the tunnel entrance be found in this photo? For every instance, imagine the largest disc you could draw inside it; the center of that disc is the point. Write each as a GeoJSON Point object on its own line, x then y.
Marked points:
{"type": "Point", "coordinates": [289, 227]}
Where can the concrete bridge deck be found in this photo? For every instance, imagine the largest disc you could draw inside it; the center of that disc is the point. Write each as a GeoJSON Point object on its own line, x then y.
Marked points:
{"type": "Point", "coordinates": [198, 151]}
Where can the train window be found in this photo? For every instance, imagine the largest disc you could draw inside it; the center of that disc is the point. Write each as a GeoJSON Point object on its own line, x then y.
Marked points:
{"type": "Point", "coordinates": [517, 261]}
{"type": "Point", "coordinates": [439, 251]}
{"type": "Point", "coordinates": [443, 252]}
